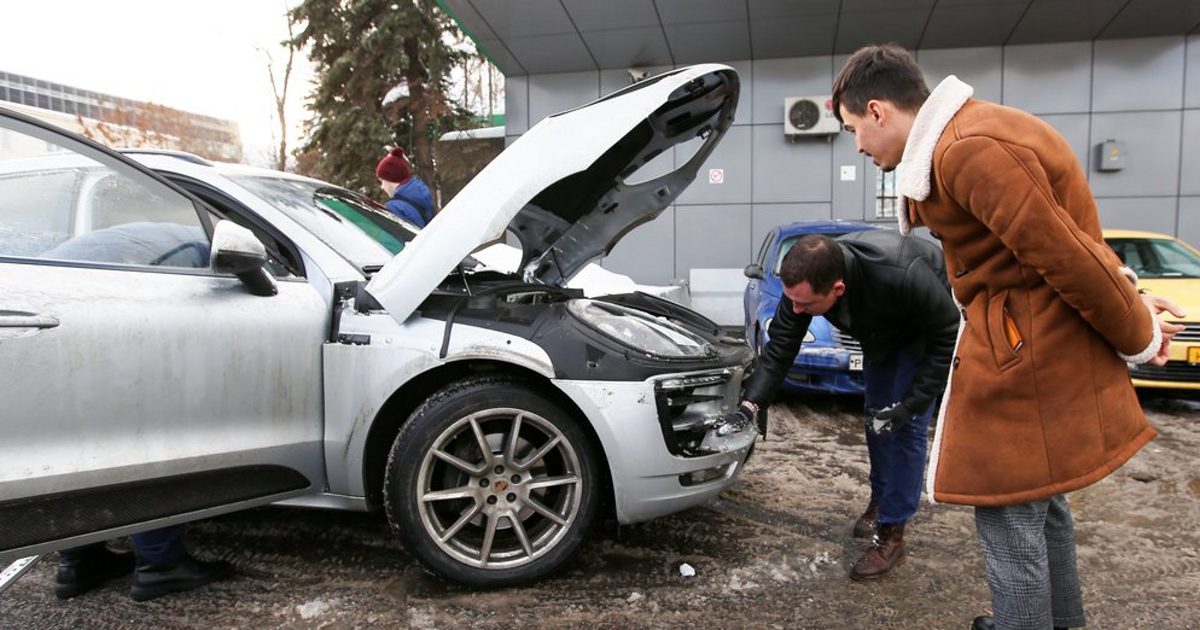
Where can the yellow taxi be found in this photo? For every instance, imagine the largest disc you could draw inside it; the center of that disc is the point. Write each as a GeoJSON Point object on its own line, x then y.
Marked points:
{"type": "Point", "coordinates": [1168, 267]}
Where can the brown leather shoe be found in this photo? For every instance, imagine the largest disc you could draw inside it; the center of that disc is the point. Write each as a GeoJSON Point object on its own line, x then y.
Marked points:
{"type": "Point", "coordinates": [885, 552]}
{"type": "Point", "coordinates": [864, 527]}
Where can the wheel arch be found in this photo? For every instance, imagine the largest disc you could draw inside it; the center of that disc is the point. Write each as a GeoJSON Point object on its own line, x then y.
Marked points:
{"type": "Point", "coordinates": [394, 413]}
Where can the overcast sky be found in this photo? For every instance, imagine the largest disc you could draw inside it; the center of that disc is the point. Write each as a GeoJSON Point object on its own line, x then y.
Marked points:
{"type": "Point", "coordinates": [201, 57]}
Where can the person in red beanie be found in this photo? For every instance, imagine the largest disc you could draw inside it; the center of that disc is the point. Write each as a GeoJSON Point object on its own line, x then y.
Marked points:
{"type": "Point", "coordinates": [410, 197]}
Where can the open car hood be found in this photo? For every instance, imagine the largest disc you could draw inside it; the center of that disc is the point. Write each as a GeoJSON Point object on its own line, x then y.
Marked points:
{"type": "Point", "coordinates": [564, 188]}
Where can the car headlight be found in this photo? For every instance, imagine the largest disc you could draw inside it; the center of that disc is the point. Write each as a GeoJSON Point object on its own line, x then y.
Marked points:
{"type": "Point", "coordinates": [640, 330]}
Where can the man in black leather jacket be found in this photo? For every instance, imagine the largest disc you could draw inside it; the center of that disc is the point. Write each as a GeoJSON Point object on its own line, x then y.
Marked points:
{"type": "Point", "coordinates": [890, 293]}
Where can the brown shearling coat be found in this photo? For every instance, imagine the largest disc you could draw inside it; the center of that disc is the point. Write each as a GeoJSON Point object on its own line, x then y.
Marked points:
{"type": "Point", "coordinates": [1050, 408]}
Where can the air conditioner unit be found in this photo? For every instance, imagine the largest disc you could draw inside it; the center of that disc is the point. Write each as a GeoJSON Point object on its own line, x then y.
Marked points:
{"type": "Point", "coordinates": [809, 116]}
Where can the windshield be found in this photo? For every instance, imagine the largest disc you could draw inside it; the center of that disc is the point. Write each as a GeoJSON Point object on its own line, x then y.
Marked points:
{"type": "Point", "coordinates": [1157, 258]}
{"type": "Point", "coordinates": [359, 229]}
{"type": "Point", "coordinates": [790, 242]}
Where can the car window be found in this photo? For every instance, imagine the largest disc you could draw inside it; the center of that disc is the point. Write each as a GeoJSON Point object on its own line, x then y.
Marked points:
{"type": "Point", "coordinates": [64, 201]}
{"type": "Point", "coordinates": [1157, 258]}
{"type": "Point", "coordinates": [359, 229]}
{"type": "Point", "coordinates": [283, 260]}
{"type": "Point", "coordinates": [765, 249]}
{"type": "Point", "coordinates": [786, 245]}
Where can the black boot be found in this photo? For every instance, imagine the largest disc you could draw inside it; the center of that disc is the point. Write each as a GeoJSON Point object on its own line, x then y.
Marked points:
{"type": "Point", "coordinates": [82, 569]}
{"type": "Point", "coordinates": [155, 580]}
{"type": "Point", "coordinates": [985, 622]}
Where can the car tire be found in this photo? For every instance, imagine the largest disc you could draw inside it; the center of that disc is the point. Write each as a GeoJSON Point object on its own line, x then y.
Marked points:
{"type": "Point", "coordinates": [512, 514]}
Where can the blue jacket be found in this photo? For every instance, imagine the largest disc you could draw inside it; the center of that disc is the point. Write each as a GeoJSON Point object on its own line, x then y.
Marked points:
{"type": "Point", "coordinates": [412, 202]}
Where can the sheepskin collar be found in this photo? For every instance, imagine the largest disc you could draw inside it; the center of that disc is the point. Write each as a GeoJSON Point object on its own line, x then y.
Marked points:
{"type": "Point", "coordinates": [913, 172]}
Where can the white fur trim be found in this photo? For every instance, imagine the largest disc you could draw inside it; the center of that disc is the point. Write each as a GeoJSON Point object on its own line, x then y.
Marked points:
{"type": "Point", "coordinates": [1151, 350]}
{"type": "Point", "coordinates": [913, 173]}
{"type": "Point", "coordinates": [916, 167]}
{"type": "Point", "coordinates": [902, 215]}
{"type": "Point", "coordinates": [931, 473]}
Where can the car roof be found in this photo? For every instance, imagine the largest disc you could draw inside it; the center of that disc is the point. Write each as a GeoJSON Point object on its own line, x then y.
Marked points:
{"type": "Point", "coordinates": [1136, 234]}
{"type": "Point", "coordinates": [809, 227]}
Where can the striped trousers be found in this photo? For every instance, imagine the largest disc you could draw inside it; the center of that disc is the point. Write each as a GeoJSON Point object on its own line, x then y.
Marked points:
{"type": "Point", "coordinates": [1029, 551]}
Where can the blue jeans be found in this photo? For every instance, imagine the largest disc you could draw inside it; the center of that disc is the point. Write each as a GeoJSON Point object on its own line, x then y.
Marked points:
{"type": "Point", "coordinates": [897, 458]}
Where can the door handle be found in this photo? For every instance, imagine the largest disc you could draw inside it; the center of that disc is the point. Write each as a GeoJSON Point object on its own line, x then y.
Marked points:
{"type": "Point", "coordinates": [21, 319]}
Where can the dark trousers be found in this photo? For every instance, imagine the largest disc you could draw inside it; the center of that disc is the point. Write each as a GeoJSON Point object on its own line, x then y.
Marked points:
{"type": "Point", "coordinates": [897, 458]}
{"type": "Point", "coordinates": [160, 546]}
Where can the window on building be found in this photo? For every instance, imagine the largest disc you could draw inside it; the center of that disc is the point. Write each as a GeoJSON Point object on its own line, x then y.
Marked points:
{"type": "Point", "coordinates": [885, 194]}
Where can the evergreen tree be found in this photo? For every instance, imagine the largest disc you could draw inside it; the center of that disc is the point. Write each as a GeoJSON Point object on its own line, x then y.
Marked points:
{"type": "Point", "coordinates": [383, 69]}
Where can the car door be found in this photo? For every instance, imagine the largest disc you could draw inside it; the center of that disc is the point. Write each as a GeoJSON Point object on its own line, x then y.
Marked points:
{"type": "Point", "coordinates": [139, 387]}
{"type": "Point", "coordinates": [753, 295]}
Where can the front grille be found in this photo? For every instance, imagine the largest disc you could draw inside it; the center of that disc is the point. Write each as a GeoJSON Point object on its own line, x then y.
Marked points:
{"type": "Point", "coordinates": [1177, 371]}
{"type": "Point", "coordinates": [1190, 333]}
{"type": "Point", "coordinates": [847, 342]}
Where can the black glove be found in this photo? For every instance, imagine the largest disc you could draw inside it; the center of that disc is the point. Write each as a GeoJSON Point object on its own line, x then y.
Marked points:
{"type": "Point", "coordinates": [731, 422]}
{"type": "Point", "coordinates": [889, 419]}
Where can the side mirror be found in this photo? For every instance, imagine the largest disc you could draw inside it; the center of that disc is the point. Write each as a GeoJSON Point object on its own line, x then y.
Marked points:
{"type": "Point", "coordinates": [754, 272]}
{"type": "Point", "coordinates": [235, 250]}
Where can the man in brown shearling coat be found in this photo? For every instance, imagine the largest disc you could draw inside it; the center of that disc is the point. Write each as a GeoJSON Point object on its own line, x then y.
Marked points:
{"type": "Point", "coordinates": [1039, 401]}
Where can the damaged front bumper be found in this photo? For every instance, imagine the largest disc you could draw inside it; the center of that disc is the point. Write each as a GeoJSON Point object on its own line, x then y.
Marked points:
{"type": "Point", "coordinates": [662, 458]}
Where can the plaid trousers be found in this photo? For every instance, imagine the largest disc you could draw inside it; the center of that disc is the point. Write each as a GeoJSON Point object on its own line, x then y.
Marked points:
{"type": "Point", "coordinates": [1029, 551]}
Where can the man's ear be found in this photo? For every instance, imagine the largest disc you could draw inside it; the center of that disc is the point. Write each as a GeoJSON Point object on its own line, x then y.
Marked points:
{"type": "Point", "coordinates": [839, 288]}
{"type": "Point", "coordinates": [878, 111]}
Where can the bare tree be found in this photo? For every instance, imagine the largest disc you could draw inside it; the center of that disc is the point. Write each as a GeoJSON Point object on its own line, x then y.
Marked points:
{"type": "Point", "coordinates": [279, 89]}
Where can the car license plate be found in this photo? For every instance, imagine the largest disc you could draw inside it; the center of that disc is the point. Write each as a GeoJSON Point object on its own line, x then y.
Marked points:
{"type": "Point", "coordinates": [856, 361]}
{"type": "Point", "coordinates": [1194, 354]}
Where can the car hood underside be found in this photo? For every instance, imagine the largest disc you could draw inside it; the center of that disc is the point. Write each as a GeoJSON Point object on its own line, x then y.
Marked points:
{"type": "Point", "coordinates": [564, 188]}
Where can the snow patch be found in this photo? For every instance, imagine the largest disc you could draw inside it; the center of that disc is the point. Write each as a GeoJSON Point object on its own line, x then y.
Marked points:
{"type": "Point", "coordinates": [314, 608]}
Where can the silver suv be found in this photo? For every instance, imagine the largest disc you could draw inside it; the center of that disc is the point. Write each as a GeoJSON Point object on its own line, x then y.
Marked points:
{"type": "Point", "coordinates": [236, 337]}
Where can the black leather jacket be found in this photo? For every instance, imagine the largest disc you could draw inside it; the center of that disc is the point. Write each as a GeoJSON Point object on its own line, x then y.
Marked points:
{"type": "Point", "coordinates": [896, 297]}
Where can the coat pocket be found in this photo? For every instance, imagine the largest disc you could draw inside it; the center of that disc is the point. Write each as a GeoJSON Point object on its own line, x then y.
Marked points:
{"type": "Point", "coordinates": [1005, 337]}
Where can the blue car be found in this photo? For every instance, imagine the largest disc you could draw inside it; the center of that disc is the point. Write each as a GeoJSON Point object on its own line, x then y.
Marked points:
{"type": "Point", "coordinates": [829, 361]}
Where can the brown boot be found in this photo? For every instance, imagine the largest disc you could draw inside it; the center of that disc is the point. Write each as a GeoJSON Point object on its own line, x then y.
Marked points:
{"type": "Point", "coordinates": [885, 552]}
{"type": "Point", "coordinates": [864, 527]}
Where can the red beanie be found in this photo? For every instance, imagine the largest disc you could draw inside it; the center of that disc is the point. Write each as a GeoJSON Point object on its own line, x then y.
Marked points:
{"type": "Point", "coordinates": [393, 167]}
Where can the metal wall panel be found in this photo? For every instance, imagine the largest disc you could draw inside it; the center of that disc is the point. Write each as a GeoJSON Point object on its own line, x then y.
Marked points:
{"type": "Point", "coordinates": [1189, 222]}
{"type": "Point", "coordinates": [790, 170]}
{"type": "Point", "coordinates": [695, 244]}
{"type": "Point", "coordinates": [1192, 80]}
{"type": "Point", "coordinates": [732, 157]}
{"type": "Point", "coordinates": [978, 67]}
{"type": "Point", "coordinates": [1138, 74]}
{"type": "Point", "coordinates": [1189, 164]}
{"type": "Point", "coordinates": [1152, 154]}
{"type": "Point", "coordinates": [776, 79]}
{"type": "Point", "coordinates": [516, 105]}
{"type": "Point", "coordinates": [613, 80]}
{"type": "Point", "coordinates": [1076, 128]}
{"type": "Point", "coordinates": [553, 93]}
{"type": "Point", "coordinates": [647, 254]}
{"type": "Point", "coordinates": [1153, 214]}
{"type": "Point", "coordinates": [1049, 78]}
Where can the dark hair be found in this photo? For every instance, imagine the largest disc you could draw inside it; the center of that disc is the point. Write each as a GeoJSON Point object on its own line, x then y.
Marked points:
{"type": "Point", "coordinates": [885, 72]}
{"type": "Point", "coordinates": [815, 259]}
